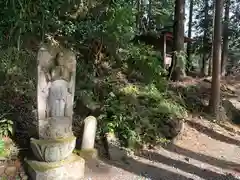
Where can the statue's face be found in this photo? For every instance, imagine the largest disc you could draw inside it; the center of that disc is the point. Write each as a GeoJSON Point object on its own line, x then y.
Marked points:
{"type": "Point", "coordinates": [60, 59]}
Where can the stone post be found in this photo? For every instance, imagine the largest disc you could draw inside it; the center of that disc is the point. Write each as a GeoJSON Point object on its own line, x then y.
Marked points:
{"type": "Point", "coordinates": [55, 95]}
{"type": "Point", "coordinates": [88, 140]}
{"type": "Point", "coordinates": [89, 133]}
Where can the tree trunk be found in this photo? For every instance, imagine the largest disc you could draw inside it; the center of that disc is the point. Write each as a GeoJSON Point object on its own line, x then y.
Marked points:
{"type": "Point", "coordinates": [225, 38]}
{"type": "Point", "coordinates": [205, 38]}
{"type": "Point", "coordinates": [210, 63]}
{"type": "Point", "coordinates": [189, 61]}
{"type": "Point", "coordinates": [178, 67]}
{"type": "Point", "coordinates": [143, 28]}
{"type": "Point", "coordinates": [149, 15]}
{"type": "Point", "coordinates": [214, 101]}
{"type": "Point", "coordinates": [138, 16]}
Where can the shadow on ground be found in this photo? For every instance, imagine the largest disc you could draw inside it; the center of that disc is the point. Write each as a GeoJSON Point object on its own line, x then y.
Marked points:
{"type": "Point", "coordinates": [129, 164]}
{"type": "Point", "coordinates": [201, 157]}
{"type": "Point", "coordinates": [211, 133]}
{"type": "Point", "coordinates": [161, 167]}
{"type": "Point", "coordinates": [146, 170]}
{"type": "Point", "coordinates": [184, 166]}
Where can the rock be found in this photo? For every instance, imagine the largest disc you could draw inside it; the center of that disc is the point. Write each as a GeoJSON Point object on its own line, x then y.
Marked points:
{"type": "Point", "coordinates": [232, 109]}
{"type": "Point", "coordinates": [115, 152]}
{"type": "Point", "coordinates": [186, 159]}
{"type": "Point", "coordinates": [11, 171]}
{"type": "Point", "coordinates": [176, 129]}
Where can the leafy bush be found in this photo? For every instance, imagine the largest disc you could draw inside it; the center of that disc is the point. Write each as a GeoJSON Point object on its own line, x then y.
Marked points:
{"type": "Point", "coordinates": [7, 148]}
{"type": "Point", "coordinates": [139, 114]}
{"type": "Point", "coordinates": [1, 147]}
{"type": "Point", "coordinates": [6, 128]}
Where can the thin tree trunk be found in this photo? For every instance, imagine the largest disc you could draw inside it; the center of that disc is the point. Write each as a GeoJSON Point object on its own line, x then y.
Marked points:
{"type": "Point", "coordinates": [149, 15]}
{"type": "Point", "coordinates": [214, 101]}
{"type": "Point", "coordinates": [225, 38]}
{"type": "Point", "coordinates": [205, 38]}
{"type": "Point", "coordinates": [178, 69]}
{"type": "Point", "coordinates": [138, 15]}
{"type": "Point", "coordinates": [189, 60]}
{"type": "Point", "coordinates": [210, 63]}
{"type": "Point", "coordinates": [142, 10]}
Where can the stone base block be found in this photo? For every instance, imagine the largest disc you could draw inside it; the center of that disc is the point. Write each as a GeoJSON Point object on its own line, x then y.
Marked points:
{"type": "Point", "coordinates": [71, 168]}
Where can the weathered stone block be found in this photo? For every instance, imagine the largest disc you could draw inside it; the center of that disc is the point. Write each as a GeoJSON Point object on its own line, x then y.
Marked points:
{"type": "Point", "coordinates": [52, 150]}
{"type": "Point", "coordinates": [72, 168]}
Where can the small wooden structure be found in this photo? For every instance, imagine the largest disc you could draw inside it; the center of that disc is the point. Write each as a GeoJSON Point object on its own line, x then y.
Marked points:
{"type": "Point", "coordinates": [163, 42]}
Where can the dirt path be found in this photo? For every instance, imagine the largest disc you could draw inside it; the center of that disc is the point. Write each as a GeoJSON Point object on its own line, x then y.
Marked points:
{"type": "Point", "coordinates": [205, 151]}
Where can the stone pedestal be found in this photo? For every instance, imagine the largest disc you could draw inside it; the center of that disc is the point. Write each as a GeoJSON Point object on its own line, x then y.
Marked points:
{"type": "Point", "coordinates": [72, 168]}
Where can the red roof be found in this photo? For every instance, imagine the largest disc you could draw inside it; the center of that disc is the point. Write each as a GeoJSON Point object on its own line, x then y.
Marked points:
{"type": "Point", "coordinates": [169, 36]}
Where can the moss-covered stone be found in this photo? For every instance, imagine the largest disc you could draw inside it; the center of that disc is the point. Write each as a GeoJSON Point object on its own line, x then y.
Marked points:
{"type": "Point", "coordinates": [87, 153]}
{"type": "Point", "coordinates": [45, 166]}
{"type": "Point", "coordinates": [70, 168]}
{"type": "Point", "coordinates": [53, 150]}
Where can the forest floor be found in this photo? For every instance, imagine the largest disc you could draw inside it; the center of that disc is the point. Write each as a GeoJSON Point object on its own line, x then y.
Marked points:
{"type": "Point", "coordinates": [205, 150]}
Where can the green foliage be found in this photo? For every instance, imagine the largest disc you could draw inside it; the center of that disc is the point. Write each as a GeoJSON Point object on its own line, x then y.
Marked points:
{"type": "Point", "coordinates": [7, 148]}
{"type": "Point", "coordinates": [131, 91]}
{"type": "Point", "coordinates": [15, 69]}
{"type": "Point", "coordinates": [200, 25]}
{"type": "Point", "coordinates": [145, 60]}
{"type": "Point", "coordinates": [6, 128]}
{"type": "Point", "coordinates": [137, 114]}
{"type": "Point", "coordinates": [1, 146]}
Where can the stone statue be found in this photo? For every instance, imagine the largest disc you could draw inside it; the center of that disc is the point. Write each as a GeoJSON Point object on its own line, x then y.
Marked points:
{"type": "Point", "coordinates": [55, 91]}
{"type": "Point", "coordinates": [56, 85]}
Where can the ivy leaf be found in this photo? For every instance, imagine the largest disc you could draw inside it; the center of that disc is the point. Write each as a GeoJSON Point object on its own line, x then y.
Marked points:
{"type": "Point", "coordinates": [10, 129]}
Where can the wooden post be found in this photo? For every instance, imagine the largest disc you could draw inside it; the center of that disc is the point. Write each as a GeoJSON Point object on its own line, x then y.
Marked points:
{"type": "Point", "coordinates": [164, 50]}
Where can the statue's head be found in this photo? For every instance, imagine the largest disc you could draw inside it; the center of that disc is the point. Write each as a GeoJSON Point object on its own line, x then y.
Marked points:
{"type": "Point", "coordinates": [59, 59]}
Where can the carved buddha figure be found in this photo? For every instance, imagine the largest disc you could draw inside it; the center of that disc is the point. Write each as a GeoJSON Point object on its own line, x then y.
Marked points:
{"type": "Point", "coordinates": [60, 77]}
